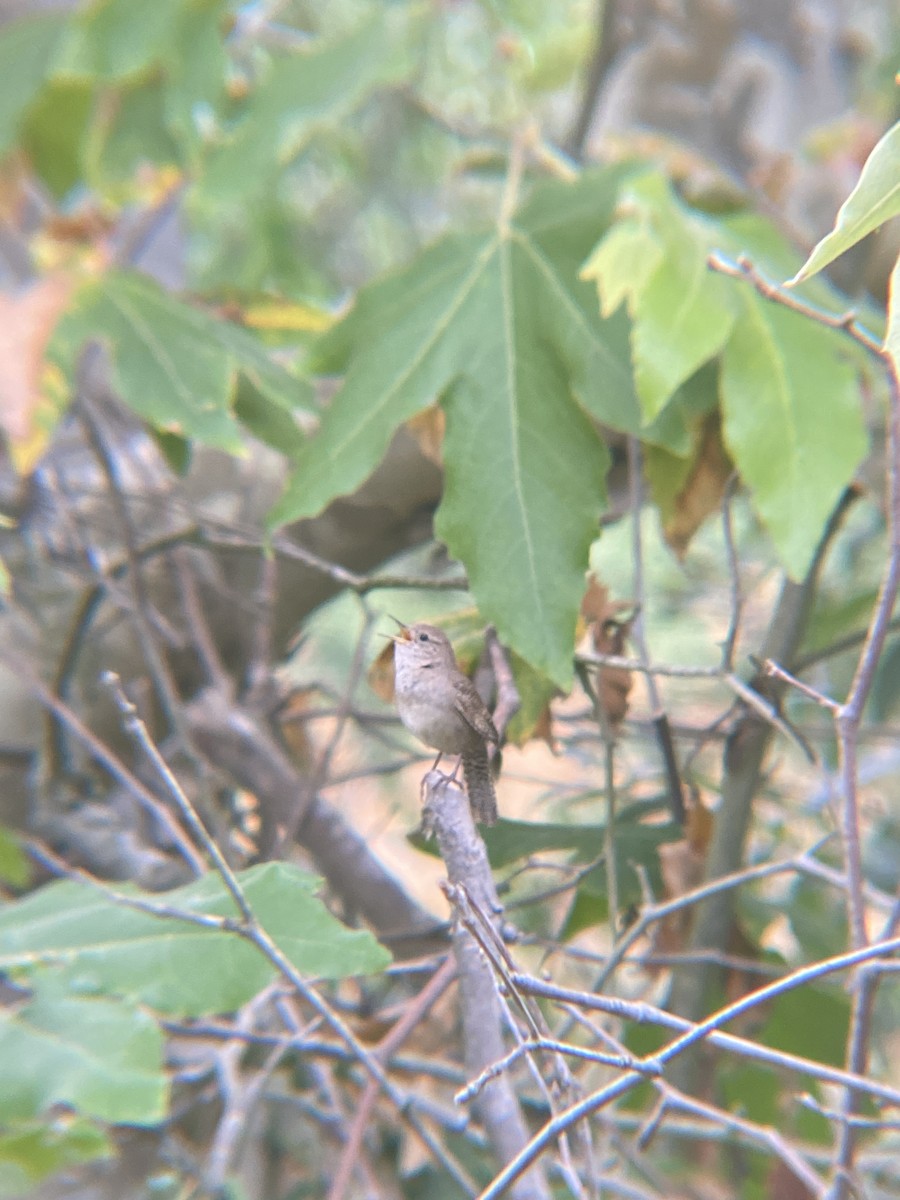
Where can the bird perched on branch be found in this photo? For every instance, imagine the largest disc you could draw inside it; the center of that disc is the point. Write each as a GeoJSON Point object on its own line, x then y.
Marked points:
{"type": "Point", "coordinates": [440, 705]}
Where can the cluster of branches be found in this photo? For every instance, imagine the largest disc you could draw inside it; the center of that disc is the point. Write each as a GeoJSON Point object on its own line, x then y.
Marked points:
{"type": "Point", "coordinates": [202, 728]}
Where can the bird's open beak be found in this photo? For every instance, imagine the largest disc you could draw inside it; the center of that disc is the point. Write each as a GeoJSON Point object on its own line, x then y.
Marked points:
{"type": "Point", "coordinates": [402, 636]}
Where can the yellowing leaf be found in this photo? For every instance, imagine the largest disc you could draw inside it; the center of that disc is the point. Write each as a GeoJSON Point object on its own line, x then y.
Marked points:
{"type": "Point", "coordinates": [284, 316]}
{"type": "Point", "coordinates": [623, 263]}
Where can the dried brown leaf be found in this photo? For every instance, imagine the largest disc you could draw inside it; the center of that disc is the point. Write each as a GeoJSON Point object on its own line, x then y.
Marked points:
{"type": "Point", "coordinates": [704, 488]}
{"type": "Point", "coordinates": [381, 674]}
{"type": "Point", "coordinates": [293, 724]}
{"type": "Point", "coordinates": [609, 630]}
{"type": "Point", "coordinates": [682, 866]}
{"type": "Point", "coordinates": [428, 429]}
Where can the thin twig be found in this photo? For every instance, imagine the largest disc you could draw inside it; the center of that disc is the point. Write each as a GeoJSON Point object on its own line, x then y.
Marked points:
{"type": "Point", "coordinates": [847, 722]}
{"type": "Point", "coordinates": [91, 383]}
{"type": "Point", "coordinates": [734, 575]}
{"type": "Point", "coordinates": [658, 912]}
{"type": "Point", "coordinates": [413, 1014]}
{"type": "Point", "coordinates": [508, 700]}
{"type": "Point", "coordinates": [848, 715]}
{"type": "Point", "coordinates": [673, 670]}
{"type": "Point", "coordinates": [201, 637]}
{"type": "Point", "coordinates": [152, 908]}
{"type": "Point", "coordinates": [768, 1138]}
{"type": "Point", "coordinates": [743, 268]}
{"type": "Point", "coordinates": [136, 728]}
{"type": "Point", "coordinates": [512, 185]}
{"type": "Point", "coordinates": [777, 672]}
{"type": "Point", "coordinates": [658, 713]}
{"type": "Point", "coordinates": [239, 1098]}
{"type": "Point", "coordinates": [103, 755]}
{"type": "Point", "coordinates": [624, 1062]}
{"type": "Point", "coordinates": [261, 640]}
{"type": "Point", "coordinates": [316, 778]}
{"type": "Point", "coordinates": [678, 1046]}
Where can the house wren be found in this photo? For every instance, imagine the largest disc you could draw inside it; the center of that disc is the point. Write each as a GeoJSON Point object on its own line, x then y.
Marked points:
{"type": "Point", "coordinates": [440, 705]}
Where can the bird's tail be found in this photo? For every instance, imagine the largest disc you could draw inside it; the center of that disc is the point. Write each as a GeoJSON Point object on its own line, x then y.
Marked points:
{"type": "Point", "coordinates": [480, 786]}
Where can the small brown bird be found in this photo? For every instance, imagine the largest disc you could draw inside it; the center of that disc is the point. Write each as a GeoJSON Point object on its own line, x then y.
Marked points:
{"type": "Point", "coordinates": [440, 705]}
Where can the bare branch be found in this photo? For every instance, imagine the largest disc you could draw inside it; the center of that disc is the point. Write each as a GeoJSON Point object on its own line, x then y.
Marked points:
{"type": "Point", "coordinates": [448, 814]}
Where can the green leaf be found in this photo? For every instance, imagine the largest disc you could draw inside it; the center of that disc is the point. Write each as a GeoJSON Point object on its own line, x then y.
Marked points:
{"type": "Point", "coordinates": [623, 263]}
{"type": "Point", "coordinates": [103, 1058]}
{"type": "Point", "coordinates": [682, 320]}
{"type": "Point", "coordinates": [817, 918]}
{"type": "Point", "coordinates": [752, 1090]}
{"type": "Point", "coordinates": [874, 200]}
{"type": "Point", "coordinates": [885, 697]}
{"type": "Point", "coordinates": [792, 422]}
{"type": "Point", "coordinates": [508, 840]}
{"type": "Point", "coordinates": [113, 39]}
{"type": "Point", "coordinates": [499, 326]}
{"type": "Point", "coordinates": [634, 845]}
{"type": "Point", "coordinates": [14, 866]}
{"type": "Point", "coordinates": [535, 693]}
{"type": "Point", "coordinates": [682, 311]}
{"type": "Point", "coordinates": [30, 1152]}
{"type": "Point", "coordinates": [195, 78]}
{"type": "Point", "coordinates": [137, 135]}
{"type": "Point", "coordinates": [176, 366]}
{"type": "Point", "coordinates": [55, 131]}
{"type": "Point", "coordinates": [881, 855]}
{"type": "Point", "coordinates": [176, 966]}
{"type": "Point", "coordinates": [302, 93]}
{"type": "Point", "coordinates": [789, 1026]}
{"type": "Point", "coordinates": [28, 48]}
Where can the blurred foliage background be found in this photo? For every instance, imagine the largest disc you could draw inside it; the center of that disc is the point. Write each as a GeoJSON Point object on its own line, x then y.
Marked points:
{"type": "Point", "coordinates": [194, 196]}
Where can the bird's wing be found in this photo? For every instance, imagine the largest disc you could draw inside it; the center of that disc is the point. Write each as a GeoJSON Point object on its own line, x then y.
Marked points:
{"type": "Point", "coordinates": [473, 710]}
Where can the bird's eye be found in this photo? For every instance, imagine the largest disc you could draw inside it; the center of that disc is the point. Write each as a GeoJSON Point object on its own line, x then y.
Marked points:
{"type": "Point", "coordinates": [423, 637]}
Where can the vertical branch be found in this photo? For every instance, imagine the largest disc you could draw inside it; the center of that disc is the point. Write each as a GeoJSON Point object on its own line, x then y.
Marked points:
{"type": "Point", "coordinates": [848, 721]}
{"type": "Point", "coordinates": [660, 719]}
{"type": "Point", "coordinates": [609, 839]}
{"type": "Point", "coordinates": [602, 56]}
{"type": "Point", "coordinates": [734, 574]}
{"type": "Point", "coordinates": [260, 656]}
{"type": "Point", "coordinates": [609, 744]}
{"type": "Point", "coordinates": [850, 714]}
{"type": "Point", "coordinates": [448, 815]}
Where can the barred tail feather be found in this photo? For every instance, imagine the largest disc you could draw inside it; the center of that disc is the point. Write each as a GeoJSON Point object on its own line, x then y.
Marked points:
{"type": "Point", "coordinates": [480, 786]}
